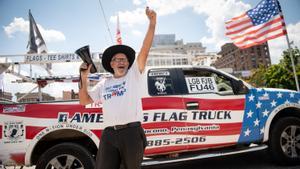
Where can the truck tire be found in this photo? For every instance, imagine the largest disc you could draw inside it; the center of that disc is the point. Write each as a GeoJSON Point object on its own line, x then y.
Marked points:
{"type": "Point", "coordinates": [284, 142]}
{"type": "Point", "coordinates": [66, 155]}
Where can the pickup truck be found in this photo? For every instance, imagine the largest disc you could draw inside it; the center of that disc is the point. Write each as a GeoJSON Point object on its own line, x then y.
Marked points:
{"type": "Point", "coordinates": [188, 113]}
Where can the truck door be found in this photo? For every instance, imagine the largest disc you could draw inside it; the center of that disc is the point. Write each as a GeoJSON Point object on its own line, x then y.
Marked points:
{"type": "Point", "coordinates": [163, 110]}
{"type": "Point", "coordinates": [214, 112]}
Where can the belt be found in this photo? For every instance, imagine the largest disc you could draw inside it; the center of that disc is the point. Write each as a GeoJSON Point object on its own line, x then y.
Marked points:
{"type": "Point", "coordinates": [119, 127]}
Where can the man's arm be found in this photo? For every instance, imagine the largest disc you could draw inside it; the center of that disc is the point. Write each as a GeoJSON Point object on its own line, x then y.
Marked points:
{"type": "Point", "coordinates": [142, 57]}
{"type": "Point", "coordinates": [84, 97]}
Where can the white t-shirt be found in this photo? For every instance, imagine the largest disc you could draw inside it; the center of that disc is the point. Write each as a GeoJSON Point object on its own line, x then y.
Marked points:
{"type": "Point", "coordinates": [121, 97]}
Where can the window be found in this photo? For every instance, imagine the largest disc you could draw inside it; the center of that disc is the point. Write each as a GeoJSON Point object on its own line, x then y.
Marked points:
{"type": "Point", "coordinates": [184, 61]}
{"type": "Point", "coordinates": [160, 82]}
{"type": "Point", "coordinates": [205, 81]}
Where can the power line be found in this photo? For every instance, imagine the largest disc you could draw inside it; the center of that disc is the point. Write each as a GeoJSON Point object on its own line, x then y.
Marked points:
{"type": "Point", "coordinates": [106, 22]}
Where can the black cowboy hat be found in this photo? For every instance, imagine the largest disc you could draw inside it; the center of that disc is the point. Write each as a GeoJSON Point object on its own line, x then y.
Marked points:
{"type": "Point", "coordinates": [111, 51]}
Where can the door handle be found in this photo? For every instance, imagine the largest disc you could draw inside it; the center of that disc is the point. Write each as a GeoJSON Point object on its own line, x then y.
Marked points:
{"type": "Point", "coordinates": [192, 105]}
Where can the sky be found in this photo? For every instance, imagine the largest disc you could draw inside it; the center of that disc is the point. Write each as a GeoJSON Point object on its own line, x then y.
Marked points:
{"type": "Point", "coordinates": [67, 25]}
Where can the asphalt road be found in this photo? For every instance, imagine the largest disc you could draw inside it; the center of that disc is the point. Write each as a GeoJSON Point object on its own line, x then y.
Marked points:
{"type": "Point", "coordinates": [253, 160]}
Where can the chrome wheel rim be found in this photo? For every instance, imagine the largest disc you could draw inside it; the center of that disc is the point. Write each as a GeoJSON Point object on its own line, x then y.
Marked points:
{"type": "Point", "coordinates": [65, 161]}
{"type": "Point", "coordinates": [290, 141]}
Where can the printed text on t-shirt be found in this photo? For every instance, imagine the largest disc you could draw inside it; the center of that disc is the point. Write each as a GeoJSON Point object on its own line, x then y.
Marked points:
{"type": "Point", "coordinates": [115, 90]}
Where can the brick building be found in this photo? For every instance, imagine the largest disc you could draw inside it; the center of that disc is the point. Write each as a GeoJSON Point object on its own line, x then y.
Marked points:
{"type": "Point", "coordinates": [243, 59]}
{"type": "Point", "coordinates": [70, 95]}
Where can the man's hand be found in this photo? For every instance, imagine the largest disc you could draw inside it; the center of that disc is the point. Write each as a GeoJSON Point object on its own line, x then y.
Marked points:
{"type": "Point", "coordinates": [84, 70]}
{"type": "Point", "coordinates": [84, 98]}
{"type": "Point", "coordinates": [151, 14]}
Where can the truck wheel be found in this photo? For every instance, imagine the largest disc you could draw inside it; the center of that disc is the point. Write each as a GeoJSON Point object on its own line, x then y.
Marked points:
{"type": "Point", "coordinates": [284, 142]}
{"type": "Point", "coordinates": [66, 156]}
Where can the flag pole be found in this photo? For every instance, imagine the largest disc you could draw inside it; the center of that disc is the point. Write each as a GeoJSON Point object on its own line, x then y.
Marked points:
{"type": "Point", "coordinates": [292, 59]}
{"type": "Point", "coordinates": [290, 50]}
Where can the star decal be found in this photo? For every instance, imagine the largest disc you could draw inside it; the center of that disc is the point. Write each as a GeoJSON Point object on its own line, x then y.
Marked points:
{"type": "Point", "coordinates": [262, 130]}
{"type": "Point", "coordinates": [265, 113]}
{"type": "Point", "coordinates": [249, 114]}
{"type": "Point", "coordinates": [273, 103]}
{"type": "Point", "coordinates": [292, 95]}
{"type": "Point", "coordinates": [258, 105]}
{"type": "Point", "coordinates": [247, 132]}
{"type": "Point", "coordinates": [266, 95]}
{"type": "Point", "coordinates": [251, 97]}
{"type": "Point", "coordinates": [256, 122]}
{"type": "Point", "coordinates": [279, 95]}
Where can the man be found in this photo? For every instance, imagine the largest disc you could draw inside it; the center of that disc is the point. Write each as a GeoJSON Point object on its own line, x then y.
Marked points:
{"type": "Point", "coordinates": [123, 141]}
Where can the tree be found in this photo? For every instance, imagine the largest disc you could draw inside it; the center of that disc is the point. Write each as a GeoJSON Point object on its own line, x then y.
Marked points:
{"type": "Point", "coordinates": [257, 76]}
{"type": "Point", "coordinates": [279, 75]}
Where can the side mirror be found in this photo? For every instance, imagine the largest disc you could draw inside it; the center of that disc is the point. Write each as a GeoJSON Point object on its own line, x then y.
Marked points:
{"type": "Point", "coordinates": [239, 87]}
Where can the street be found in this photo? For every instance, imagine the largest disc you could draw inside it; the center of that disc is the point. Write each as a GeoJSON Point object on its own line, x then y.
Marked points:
{"type": "Point", "coordinates": [253, 160]}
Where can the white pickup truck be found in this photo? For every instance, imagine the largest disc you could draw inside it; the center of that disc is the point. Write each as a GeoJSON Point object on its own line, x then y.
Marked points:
{"type": "Point", "coordinates": [189, 113]}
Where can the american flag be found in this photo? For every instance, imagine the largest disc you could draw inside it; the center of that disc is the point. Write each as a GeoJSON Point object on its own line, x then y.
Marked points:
{"type": "Point", "coordinates": [256, 26]}
{"type": "Point", "coordinates": [118, 35]}
{"type": "Point", "coordinates": [260, 104]}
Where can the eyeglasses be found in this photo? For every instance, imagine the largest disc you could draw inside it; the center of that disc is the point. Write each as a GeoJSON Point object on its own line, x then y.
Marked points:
{"type": "Point", "coordinates": [119, 60]}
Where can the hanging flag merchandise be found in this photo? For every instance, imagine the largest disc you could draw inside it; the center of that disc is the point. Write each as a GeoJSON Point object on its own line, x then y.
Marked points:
{"type": "Point", "coordinates": [36, 42]}
{"type": "Point", "coordinates": [118, 35]}
{"type": "Point", "coordinates": [256, 26]}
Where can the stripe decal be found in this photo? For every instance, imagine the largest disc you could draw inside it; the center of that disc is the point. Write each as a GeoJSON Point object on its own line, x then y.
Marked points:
{"type": "Point", "coordinates": [32, 131]}
{"type": "Point", "coordinates": [204, 104]}
{"type": "Point", "coordinates": [48, 110]}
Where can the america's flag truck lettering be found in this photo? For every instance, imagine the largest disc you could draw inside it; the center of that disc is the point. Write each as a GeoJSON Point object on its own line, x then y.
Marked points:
{"type": "Point", "coordinates": [185, 110]}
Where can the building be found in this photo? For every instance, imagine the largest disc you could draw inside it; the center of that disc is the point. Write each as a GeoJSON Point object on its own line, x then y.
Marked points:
{"type": "Point", "coordinates": [5, 96]}
{"type": "Point", "coordinates": [243, 59]}
{"type": "Point", "coordinates": [205, 59]}
{"type": "Point", "coordinates": [33, 97]}
{"type": "Point", "coordinates": [166, 43]}
{"type": "Point", "coordinates": [70, 95]}
{"type": "Point", "coordinates": [164, 59]}
{"type": "Point", "coordinates": [166, 50]}
{"type": "Point", "coordinates": [163, 39]}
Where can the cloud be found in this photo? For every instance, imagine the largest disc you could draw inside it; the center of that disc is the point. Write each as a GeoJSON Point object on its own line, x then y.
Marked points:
{"type": "Point", "coordinates": [137, 33]}
{"type": "Point", "coordinates": [277, 46]}
{"type": "Point", "coordinates": [162, 8]}
{"type": "Point", "coordinates": [218, 12]}
{"type": "Point", "coordinates": [130, 18]}
{"type": "Point", "coordinates": [167, 7]}
{"type": "Point", "coordinates": [294, 33]}
{"type": "Point", "coordinates": [21, 25]}
{"type": "Point", "coordinates": [137, 2]}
